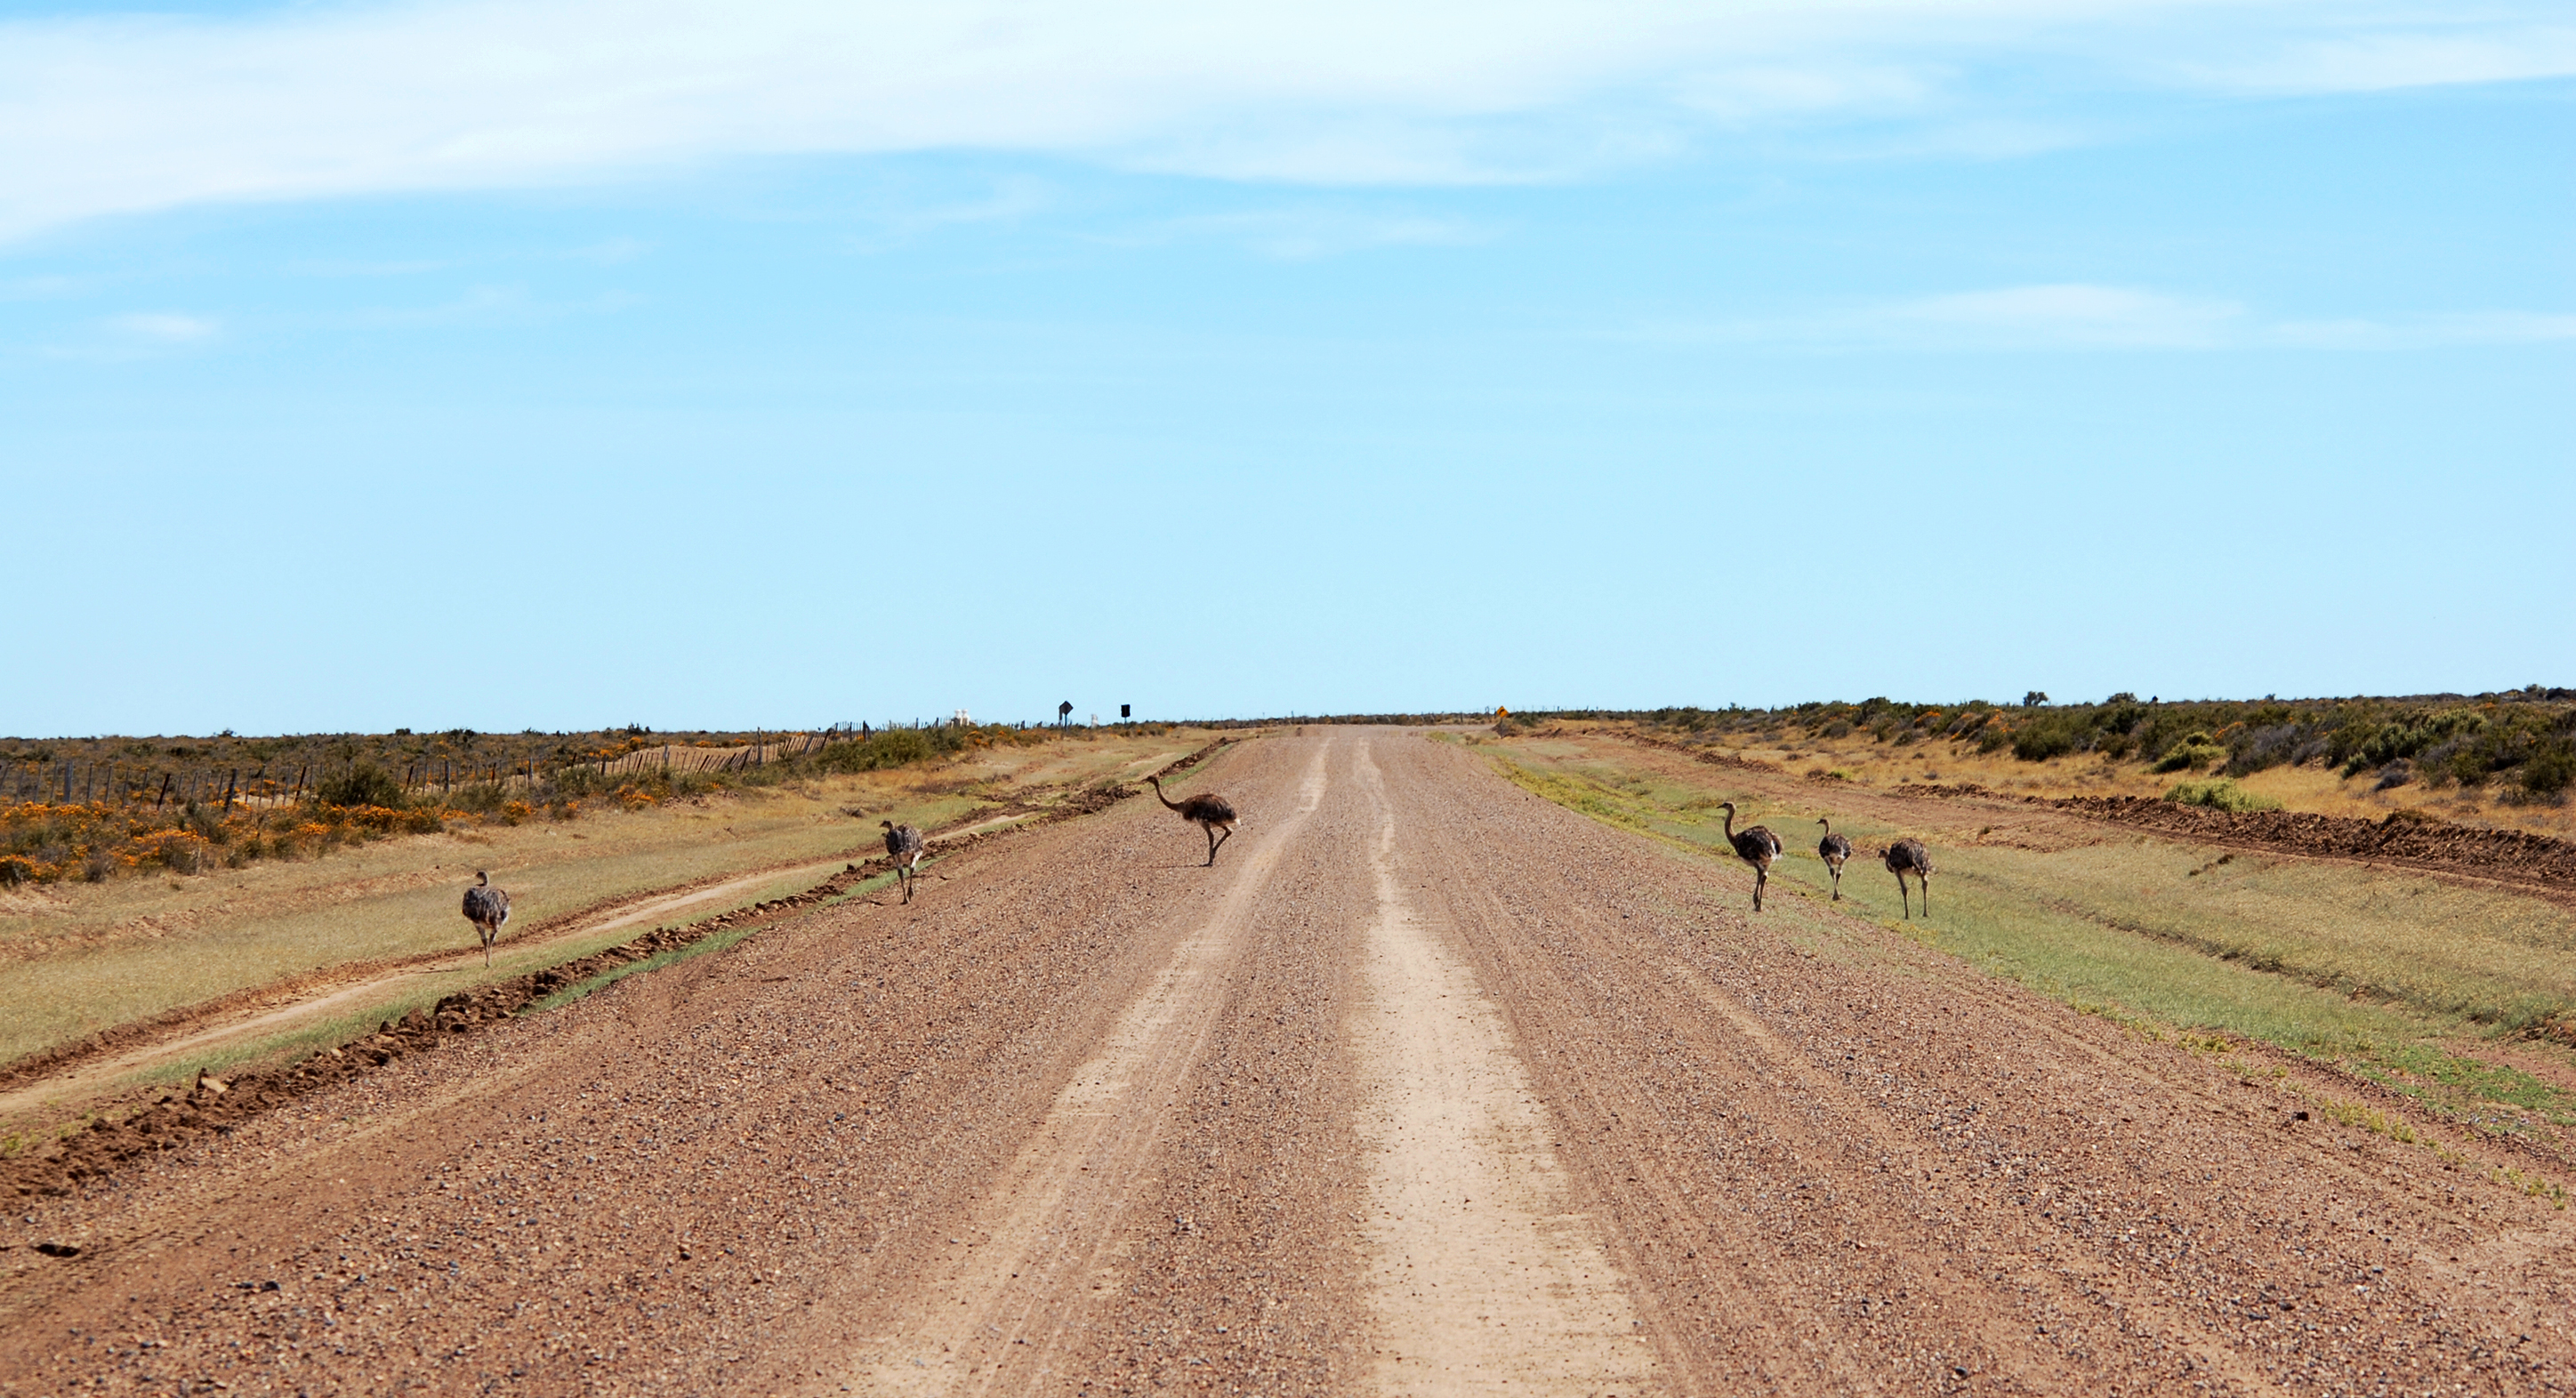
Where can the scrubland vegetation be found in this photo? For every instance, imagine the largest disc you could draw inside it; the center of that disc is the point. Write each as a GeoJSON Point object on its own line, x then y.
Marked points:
{"type": "Point", "coordinates": [2513, 750]}
{"type": "Point", "coordinates": [240, 800]}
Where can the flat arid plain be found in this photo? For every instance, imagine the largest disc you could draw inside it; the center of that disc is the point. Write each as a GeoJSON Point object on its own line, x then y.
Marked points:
{"type": "Point", "coordinates": [1466, 1067]}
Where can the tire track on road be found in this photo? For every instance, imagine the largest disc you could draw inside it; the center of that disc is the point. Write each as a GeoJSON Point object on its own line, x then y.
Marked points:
{"type": "Point", "coordinates": [1486, 1277]}
{"type": "Point", "coordinates": [1024, 1264]}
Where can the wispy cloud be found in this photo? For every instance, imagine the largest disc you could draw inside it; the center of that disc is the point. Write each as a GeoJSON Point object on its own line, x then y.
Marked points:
{"type": "Point", "coordinates": [133, 113]}
{"type": "Point", "coordinates": [164, 327]}
{"type": "Point", "coordinates": [2079, 316]}
{"type": "Point", "coordinates": [1303, 234]}
{"type": "Point", "coordinates": [2424, 332]}
{"type": "Point", "coordinates": [2062, 316]}
{"type": "Point", "coordinates": [2418, 58]}
{"type": "Point", "coordinates": [491, 305]}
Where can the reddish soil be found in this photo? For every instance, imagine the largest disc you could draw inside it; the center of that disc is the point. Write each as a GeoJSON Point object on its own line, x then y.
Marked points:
{"type": "Point", "coordinates": [1089, 1118]}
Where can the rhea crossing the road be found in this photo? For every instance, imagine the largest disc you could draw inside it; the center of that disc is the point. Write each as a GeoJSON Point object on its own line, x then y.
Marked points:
{"type": "Point", "coordinates": [1833, 849]}
{"type": "Point", "coordinates": [1209, 813]}
{"type": "Point", "coordinates": [1756, 846]}
{"type": "Point", "coordinates": [487, 908]}
{"type": "Point", "coordinates": [1908, 856]}
{"type": "Point", "coordinates": [903, 846]}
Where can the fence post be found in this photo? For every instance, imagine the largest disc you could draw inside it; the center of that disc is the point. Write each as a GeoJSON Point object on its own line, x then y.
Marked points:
{"type": "Point", "coordinates": [165, 792]}
{"type": "Point", "coordinates": [230, 782]}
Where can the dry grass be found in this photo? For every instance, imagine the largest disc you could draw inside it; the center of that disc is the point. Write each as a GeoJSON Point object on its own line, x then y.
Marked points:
{"type": "Point", "coordinates": [82, 958]}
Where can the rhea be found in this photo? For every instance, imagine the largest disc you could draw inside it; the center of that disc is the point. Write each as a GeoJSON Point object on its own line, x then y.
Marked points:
{"type": "Point", "coordinates": [1756, 846]}
{"type": "Point", "coordinates": [1209, 813]}
{"type": "Point", "coordinates": [487, 908]}
{"type": "Point", "coordinates": [1833, 849]}
{"type": "Point", "coordinates": [1907, 856]}
{"type": "Point", "coordinates": [903, 846]}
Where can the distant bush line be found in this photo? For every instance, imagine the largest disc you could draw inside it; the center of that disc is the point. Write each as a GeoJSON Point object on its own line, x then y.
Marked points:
{"type": "Point", "coordinates": [2520, 742]}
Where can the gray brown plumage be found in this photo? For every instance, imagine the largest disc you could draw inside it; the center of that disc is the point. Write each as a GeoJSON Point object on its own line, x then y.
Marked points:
{"type": "Point", "coordinates": [903, 846]}
{"type": "Point", "coordinates": [487, 908]}
{"type": "Point", "coordinates": [1209, 813]}
{"type": "Point", "coordinates": [1755, 845]}
{"type": "Point", "coordinates": [1905, 857]}
{"type": "Point", "coordinates": [1833, 849]}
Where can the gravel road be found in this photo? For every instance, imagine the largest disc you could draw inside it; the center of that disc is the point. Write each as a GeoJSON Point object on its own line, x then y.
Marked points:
{"type": "Point", "coordinates": [1428, 1087]}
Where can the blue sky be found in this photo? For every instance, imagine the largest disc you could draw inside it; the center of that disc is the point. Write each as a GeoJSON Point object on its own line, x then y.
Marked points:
{"type": "Point", "coordinates": [563, 364]}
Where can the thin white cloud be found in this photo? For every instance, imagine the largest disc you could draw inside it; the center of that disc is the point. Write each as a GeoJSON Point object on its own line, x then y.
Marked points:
{"type": "Point", "coordinates": [137, 113]}
{"type": "Point", "coordinates": [2060, 316]}
{"type": "Point", "coordinates": [1302, 234]}
{"type": "Point", "coordinates": [2378, 62]}
{"type": "Point", "coordinates": [2426, 332]}
{"type": "Point", "coordinates": [164, 327]}
{"type": "Point", "coordinates": [2080, 316]}
{"type": "Point", "coordinates": [489, 305]}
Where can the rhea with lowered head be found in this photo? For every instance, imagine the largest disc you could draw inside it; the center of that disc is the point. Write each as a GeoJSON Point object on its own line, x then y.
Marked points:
{"type": "Point", "coordinates": [1208, 813]}
{"type": "Point", "coordinates": [1755, 845]}
{"type": "Point", "coordinates": [903, 846]}
{"type": "Point", "coordinates": [1908, 856]}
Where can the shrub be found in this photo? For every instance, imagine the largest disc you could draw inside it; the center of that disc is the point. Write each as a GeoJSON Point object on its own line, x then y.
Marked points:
{"type": "Point", "coordinates": [2220, 794]}
{"type": "Point", "coordinates": [2195, 751]}
{"type": "Point", "coordinates": [2043, 738]}
{"type": "Point", "coordinates": [482, 798]}
{"type": "Point", "coordinates": [513, 812]}
{"type": "Point", "coordinates": [15, 870]}
{"type": "Point", "coordinates": [183, 854]}
{"type": "Point", "coordinates": [2550, 772]}
{"type": "Point", "coordinates": [365, 784]}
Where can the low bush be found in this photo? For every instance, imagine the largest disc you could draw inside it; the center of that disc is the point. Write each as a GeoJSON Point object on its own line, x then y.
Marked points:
{"type": "Point", "coordinates": [2220, 794]}
{"type": "Point", "coordinates": [364, 784]}
{"type": "Point", "coordinates": [2548, 774]}
{"type": "Point", "coordinates": [2195, 751]}
{"type": "Point", "coordinates": [2051, 735]}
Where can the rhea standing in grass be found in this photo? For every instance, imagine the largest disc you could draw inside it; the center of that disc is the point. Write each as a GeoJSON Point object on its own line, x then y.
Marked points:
{"type": "Point", "coordinates": [487, 908]}
{"type": "Point", "coordinates": [1833, 849]}
{"type": "Point", "coordinates": [1755, 845]}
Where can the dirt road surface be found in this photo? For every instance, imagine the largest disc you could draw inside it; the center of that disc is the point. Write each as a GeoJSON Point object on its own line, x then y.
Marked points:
{"type": "Point", "coordinates": [1428, 1087]}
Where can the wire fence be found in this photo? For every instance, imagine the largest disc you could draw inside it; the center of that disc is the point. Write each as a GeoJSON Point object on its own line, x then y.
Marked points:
{"type": "Point", "coordinates": [72, 781]}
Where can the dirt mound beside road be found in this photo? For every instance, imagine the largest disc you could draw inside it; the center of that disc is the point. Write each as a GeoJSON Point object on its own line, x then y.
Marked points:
{"type": "Point", "coordinates": [2403, 837]}
{"type": "Point", "coordinates": [2518, 855]}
